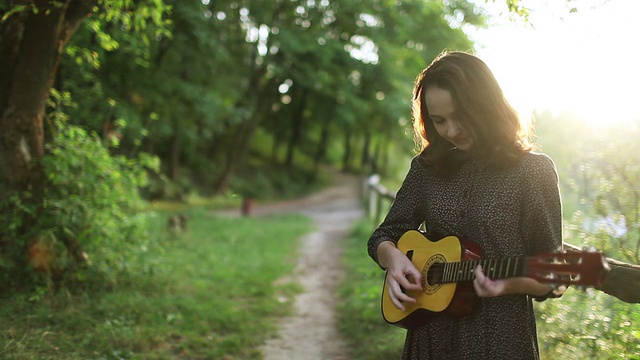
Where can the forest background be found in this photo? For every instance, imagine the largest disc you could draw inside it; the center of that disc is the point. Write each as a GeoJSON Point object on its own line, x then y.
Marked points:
{"type": "Point", "coordinates": [108, 106]}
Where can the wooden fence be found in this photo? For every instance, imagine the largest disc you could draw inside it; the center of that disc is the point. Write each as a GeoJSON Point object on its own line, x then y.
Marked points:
{"type": "Point", "coordinates": [377, 199]}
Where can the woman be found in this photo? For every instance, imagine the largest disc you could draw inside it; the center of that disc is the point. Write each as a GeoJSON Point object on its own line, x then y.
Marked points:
{"type": "Point", "coordinates": [475, 177]}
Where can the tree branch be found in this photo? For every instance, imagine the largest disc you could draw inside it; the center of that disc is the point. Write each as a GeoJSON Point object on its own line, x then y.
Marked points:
{"type": "Point", "coordinates": [622, 282]}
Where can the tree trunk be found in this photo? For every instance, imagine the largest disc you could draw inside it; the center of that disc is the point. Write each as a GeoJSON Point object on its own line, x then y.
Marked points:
{"type": "Point", "coordinates": [346, 157]}
{"type": "Point", "coordinates": [365, 160]}
{"type": "Point", "coordinates": [297, 122]}
{"type": "Point", "coordinates": [275, 146]}
{"type": "Point", "coordinates": [175, 151]}
{"type": "Point", "coordinates": [321, 151]}
{"type": "Point", "coordinates": [245, 130]}
{"type": "Point", "coordinates": [31, 44]}
{"type": "Point", "coordinates": [375, 158]}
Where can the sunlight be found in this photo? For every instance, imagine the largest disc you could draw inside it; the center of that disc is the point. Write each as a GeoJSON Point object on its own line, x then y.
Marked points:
{"type": "Point", "coordinates": [583, 62]}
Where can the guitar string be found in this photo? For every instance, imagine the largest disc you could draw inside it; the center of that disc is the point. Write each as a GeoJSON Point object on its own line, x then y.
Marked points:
{"type": "Point", "coordinates": [464, 270]}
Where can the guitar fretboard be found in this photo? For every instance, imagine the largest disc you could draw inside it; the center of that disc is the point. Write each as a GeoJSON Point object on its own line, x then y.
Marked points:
{"type": "Point", "coordinates": [463, 270]}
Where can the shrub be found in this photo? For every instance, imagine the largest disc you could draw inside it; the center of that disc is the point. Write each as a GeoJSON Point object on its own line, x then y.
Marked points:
{"type": "Point", "coordinates": [92, 198]}
{"type": "Point", "coordinates": [92, 215]}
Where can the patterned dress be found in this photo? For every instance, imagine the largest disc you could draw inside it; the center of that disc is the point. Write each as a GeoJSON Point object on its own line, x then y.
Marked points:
{"type": "Point", "coordinates": [511, 212]}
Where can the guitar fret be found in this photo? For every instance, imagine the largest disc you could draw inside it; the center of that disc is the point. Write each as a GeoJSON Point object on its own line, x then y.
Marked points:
{"type": "Point", "coordinates": [486, 267]}
{"type": "Point", "coordinates": [463, 270]}
{"type": "Point", "coordinates": [491, 270]}
{"type": "Point", "coordinates": [445, 274]}
{"type": "Point", "coordinates": [452, 272]}
{"type": "Point", "coordinates": [506, 270]}
{"type": "Point", "coordinates": [470, 274]}
{"type": "Point", "coordinates": [446, 277]}
{"type": "Point", "coordinates": [494, 268]}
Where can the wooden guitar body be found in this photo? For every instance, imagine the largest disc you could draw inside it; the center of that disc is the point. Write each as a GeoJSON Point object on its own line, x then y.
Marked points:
{"type": "Point", "coordinates": [453, 299]}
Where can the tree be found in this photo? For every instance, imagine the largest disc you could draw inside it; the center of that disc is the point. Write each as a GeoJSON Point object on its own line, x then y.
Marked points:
{"type": "Point", "coordinates": [33, 36]}
{"type": "Point", "coordinates": [600, 182]}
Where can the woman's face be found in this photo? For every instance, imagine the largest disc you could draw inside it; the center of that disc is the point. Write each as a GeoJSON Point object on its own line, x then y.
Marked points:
{"type": "Point", "coordinates": [443, 114]}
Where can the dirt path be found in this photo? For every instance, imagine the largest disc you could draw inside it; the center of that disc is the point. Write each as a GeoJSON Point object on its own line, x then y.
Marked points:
{"type": "Point", "coordinates": [311, 332]}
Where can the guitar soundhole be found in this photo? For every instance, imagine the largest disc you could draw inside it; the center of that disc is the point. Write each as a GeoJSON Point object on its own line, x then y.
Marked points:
{"type": "Point", "coordinates": [432, 273]}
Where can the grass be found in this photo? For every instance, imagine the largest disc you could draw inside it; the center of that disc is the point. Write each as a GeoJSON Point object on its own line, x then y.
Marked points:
{"type": "Point", "coordinates": [210, 293]}
{"type": "Point", "coordinates": [361, 323]}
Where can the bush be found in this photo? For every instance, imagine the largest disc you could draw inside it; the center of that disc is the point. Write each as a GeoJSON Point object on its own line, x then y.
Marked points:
{"type": "Point", "coordinates": [91, 212]}
{"type": "Point", "coordinates": [92, 199]}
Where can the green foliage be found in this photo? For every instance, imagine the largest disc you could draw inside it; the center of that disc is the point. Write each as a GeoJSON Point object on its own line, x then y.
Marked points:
{"type": "Point", "coordinates": [92, 216]}
{"type": "Point", "coordinates": [613, 192]}
{"type": "Point", "coordinates": [92, 198]}
{"type": "Point", "coordinates": [129, 28]}
{"type": "Point", "coordinates": [600, 182]}
{"type": "Point", "coordinates": [260, 179]}
{"type": "Point", "coordinates": [588, 325]}
{"type": "Point", "coordinates": [204, 114]}
{"type": "Point", "coordinates": [13, 10]}
{"type": "Point", "coordinates": [211, 293]}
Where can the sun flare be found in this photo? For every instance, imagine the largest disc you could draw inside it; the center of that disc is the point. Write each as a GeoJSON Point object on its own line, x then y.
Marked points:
{"type": "Point", "coordinates": [583, 62]}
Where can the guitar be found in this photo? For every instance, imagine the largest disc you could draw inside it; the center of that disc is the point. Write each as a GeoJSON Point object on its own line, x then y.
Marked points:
{"type": "Point", "coordinates": [447, 267]}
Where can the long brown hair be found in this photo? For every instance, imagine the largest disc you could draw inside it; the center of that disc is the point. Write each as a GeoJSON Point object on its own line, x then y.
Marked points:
{"type": "Point", "coordinates": [482, 109]}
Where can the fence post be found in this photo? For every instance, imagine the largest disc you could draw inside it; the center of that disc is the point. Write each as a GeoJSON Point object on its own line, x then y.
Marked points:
{"type": "Point", "coordinates": [378, 215]}
{"type": "Point", "coordinates": [374, 197]}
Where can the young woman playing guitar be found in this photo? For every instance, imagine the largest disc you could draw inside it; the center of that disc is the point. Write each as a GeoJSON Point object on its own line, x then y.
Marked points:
{"type": "Point", "coordinates": [475, 177]}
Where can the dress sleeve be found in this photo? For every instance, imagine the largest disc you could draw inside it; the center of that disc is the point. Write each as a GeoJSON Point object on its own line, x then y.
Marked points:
{"type": "Point", "coordinates": [541, 221]}
{"type": "Point", "coordinates": [404, 213]}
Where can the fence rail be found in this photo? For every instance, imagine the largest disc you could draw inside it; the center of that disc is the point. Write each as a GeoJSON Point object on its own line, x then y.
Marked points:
{"type": "Point", "coordinates": [376, 198]}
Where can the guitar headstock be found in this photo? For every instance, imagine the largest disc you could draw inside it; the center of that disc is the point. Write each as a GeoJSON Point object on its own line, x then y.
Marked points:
{"type": "Point", "coordinates": [583, 268]}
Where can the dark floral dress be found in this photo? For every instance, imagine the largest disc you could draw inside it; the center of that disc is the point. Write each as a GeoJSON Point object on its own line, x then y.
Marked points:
{"type": "Point", "coordinates": [510, 212]}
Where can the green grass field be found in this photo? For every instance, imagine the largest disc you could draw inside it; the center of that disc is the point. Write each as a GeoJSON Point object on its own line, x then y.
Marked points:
{"type": "Point", "coordinates": [210, 293]}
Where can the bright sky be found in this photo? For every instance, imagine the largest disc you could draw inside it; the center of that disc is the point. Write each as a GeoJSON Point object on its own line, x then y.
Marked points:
{"type": "Point", "coordinates": [587, 62]}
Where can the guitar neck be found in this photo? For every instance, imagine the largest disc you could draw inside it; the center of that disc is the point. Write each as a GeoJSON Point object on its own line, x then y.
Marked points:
{"type": "Point", "coordinates": [451, 272]}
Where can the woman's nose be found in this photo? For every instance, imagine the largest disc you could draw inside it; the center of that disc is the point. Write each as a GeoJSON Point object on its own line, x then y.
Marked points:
{"type": "Point", "coordinates": [453, 129]}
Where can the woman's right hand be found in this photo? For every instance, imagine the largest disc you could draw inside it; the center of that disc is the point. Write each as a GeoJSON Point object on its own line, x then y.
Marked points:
{"type": "Point", "coordinates": [401, 274]}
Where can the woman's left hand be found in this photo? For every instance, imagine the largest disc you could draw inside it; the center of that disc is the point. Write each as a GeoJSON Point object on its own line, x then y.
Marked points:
{"type": "Point", "coordinates": [486, 287]}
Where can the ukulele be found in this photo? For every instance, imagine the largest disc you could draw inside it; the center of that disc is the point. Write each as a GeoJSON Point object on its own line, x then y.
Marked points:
{"type": "Point", "coordinates": [447, 267]}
